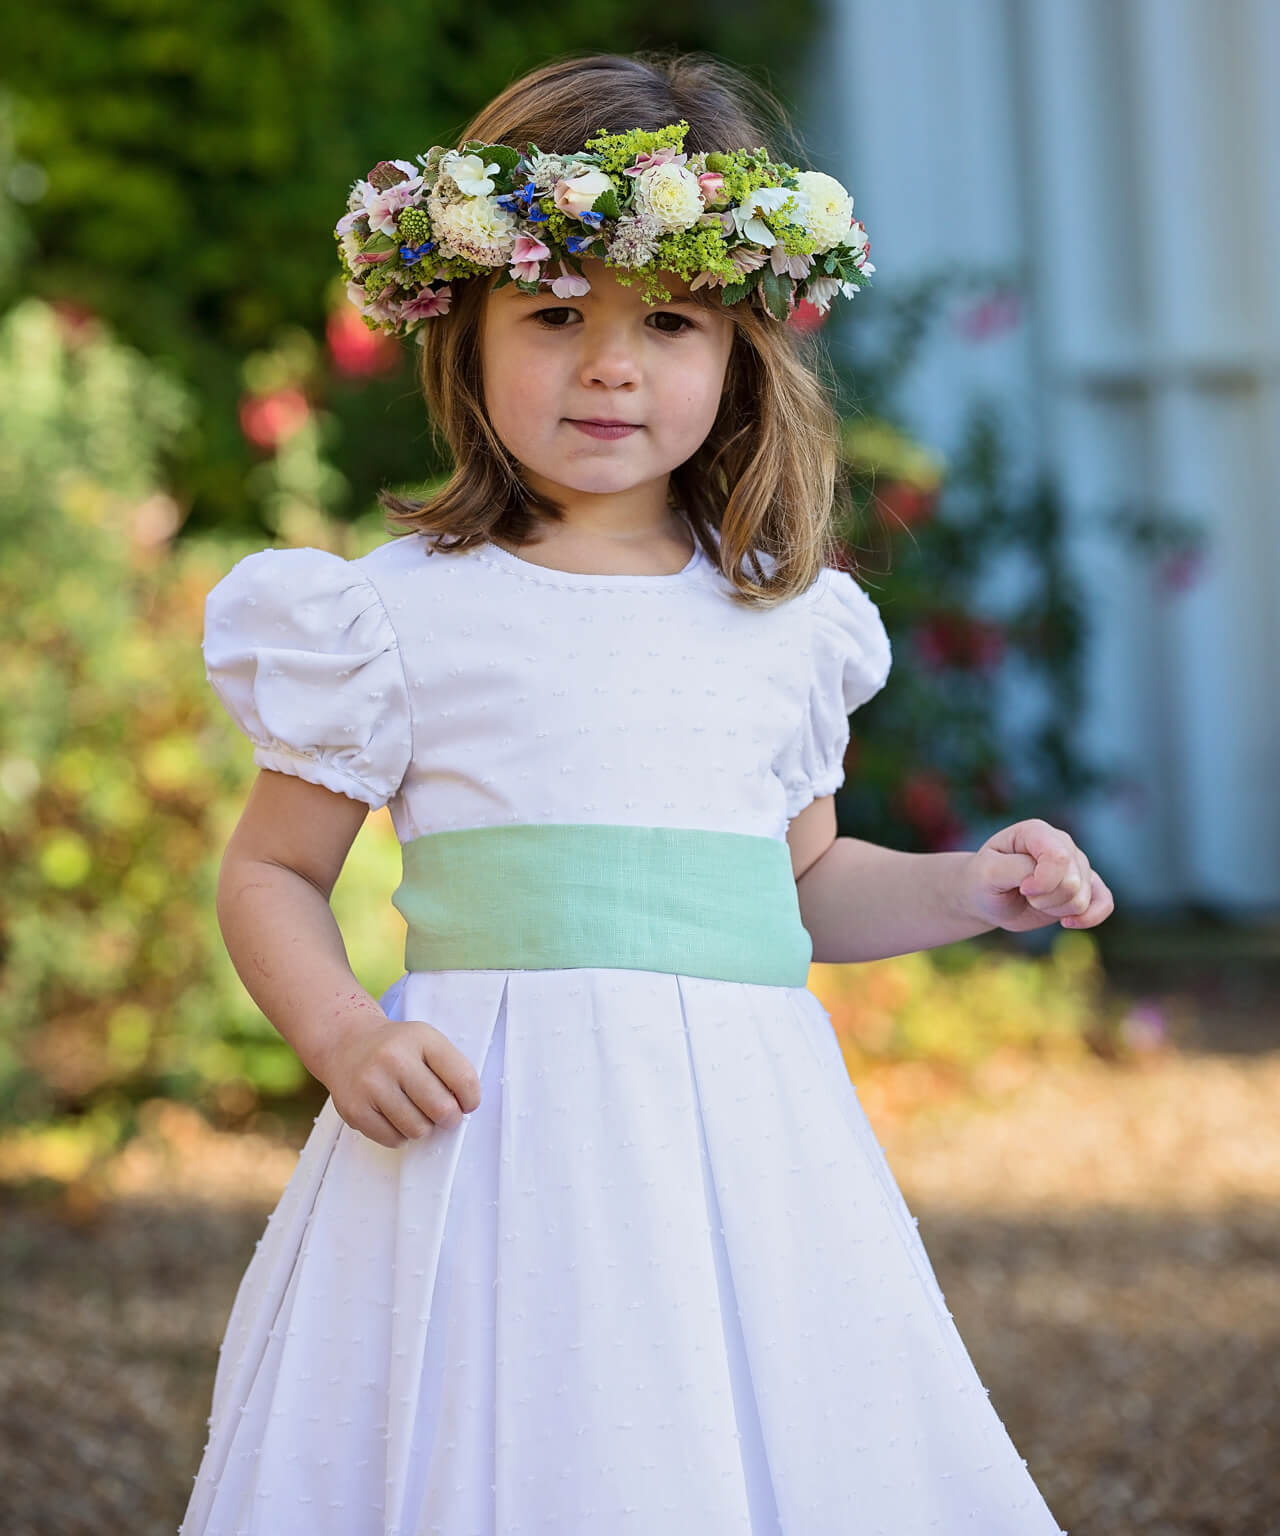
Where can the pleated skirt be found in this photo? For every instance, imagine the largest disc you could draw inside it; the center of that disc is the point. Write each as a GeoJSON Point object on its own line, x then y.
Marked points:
{"type": "Point", "coordinates": [661, 1281]}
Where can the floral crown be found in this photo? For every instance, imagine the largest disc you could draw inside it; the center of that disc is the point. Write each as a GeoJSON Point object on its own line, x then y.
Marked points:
{"type": "Point", "coordinates": [734, 220]}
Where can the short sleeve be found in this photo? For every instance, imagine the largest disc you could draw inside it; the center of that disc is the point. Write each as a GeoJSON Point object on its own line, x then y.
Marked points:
{"type": "Point", "coordinates": [850, 661]}
{"type": "Point", "coordinates": [301, 653]}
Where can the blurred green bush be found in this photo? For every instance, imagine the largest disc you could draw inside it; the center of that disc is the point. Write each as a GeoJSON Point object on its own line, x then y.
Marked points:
{"type": "Point", "coordinates": [120, 776]}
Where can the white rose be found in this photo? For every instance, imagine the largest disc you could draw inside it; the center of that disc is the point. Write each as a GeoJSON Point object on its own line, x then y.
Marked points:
{"type": "Point", "coordinates": [575, 194]}
{"type": "Point", "coordinates": [826, 207]}
{"type": "Point", "coordinates": [475, 227]}
{"type": "Point", "coordinates": [670, 195]}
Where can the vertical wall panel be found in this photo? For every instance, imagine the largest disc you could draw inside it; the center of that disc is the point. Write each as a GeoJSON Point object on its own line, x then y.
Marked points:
{"type": "Point", "coordinates": [1126, 153]}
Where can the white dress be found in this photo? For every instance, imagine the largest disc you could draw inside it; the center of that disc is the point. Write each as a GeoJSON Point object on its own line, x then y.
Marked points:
{"type": "Point", "coordinates": [661, 1282]}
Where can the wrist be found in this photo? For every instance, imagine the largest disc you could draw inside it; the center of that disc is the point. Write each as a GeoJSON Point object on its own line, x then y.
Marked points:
{"type": "Point", "coordinates": [336, 1027]}
{"type": "Point", "coordinates": [959, 891]}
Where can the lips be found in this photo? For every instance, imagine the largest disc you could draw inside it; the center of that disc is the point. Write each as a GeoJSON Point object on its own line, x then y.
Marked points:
{"type": "Point", "coordinates": [605, 431]}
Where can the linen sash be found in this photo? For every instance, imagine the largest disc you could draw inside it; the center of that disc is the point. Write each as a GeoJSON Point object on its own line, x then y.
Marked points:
{"type": "Point", "coordinates": [538, 896]}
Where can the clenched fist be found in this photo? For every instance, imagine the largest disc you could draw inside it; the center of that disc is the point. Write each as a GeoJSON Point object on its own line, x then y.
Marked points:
{"type": "Point", "coordinates": [397, 1080]}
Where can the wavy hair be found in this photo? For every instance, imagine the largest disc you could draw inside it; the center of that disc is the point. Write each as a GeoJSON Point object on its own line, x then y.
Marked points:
{"type": "Point", "coordinates": [767, 477]}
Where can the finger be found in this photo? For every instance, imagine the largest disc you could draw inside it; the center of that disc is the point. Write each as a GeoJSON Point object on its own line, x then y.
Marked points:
{"type": "Point", "coordinates": [1052, 866]}
{"type": "Point", "coordinates": [404, 1115]}
{"type": "Point", "coordinates": [431, 1096]}
{"type": "Point", "coordinates": [375, 1125]}
{"type": "Point", "coordinates": [1101, 905]}
{"type": "Point", "coordinates": [453, 1069]}
{"type": "Point", "coordinates": [1073, 895]}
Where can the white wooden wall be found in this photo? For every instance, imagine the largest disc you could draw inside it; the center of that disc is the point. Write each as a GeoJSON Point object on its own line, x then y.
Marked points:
{"type": "Point", "coordinates": [1124, 157]}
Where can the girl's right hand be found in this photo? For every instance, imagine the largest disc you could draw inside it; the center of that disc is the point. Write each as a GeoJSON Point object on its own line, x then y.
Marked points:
{"type": "Point", "coordinates": [397, 1080]}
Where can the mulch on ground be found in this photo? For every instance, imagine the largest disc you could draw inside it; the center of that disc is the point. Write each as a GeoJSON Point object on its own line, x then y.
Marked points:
{"type": "Point", "coordinates": [1107, 1237]}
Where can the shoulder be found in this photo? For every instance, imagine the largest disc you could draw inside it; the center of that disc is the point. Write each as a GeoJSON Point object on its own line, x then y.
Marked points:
{"type": "Point", "coordinates": [304, 588]}
{"type": "Point", "coordinates": [849, 636]}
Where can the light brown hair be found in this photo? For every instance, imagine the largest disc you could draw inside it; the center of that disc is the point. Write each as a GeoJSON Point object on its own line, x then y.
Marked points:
{"type": "Point", "coordinates": [768, 475]}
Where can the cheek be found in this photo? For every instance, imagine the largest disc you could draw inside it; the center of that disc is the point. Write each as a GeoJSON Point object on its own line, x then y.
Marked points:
{"type": "Point", "coordinates": [691, 393]}
{"type": "Point", "coordinates": [512, 407]}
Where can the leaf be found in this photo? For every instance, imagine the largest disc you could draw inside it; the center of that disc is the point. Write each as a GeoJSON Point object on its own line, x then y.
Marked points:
{"type": "Point", "coordinates": [732, 292]}
{"type": "Point", "coordinates": [506, 157]}
{"type": "Point", "coordinates": [777, 292]}
{"type": "Point", "coordinates": [503, 279]}
{"type": "Point", "coordinates": [607, 204]}
{"type": "Point", "coordinates": [381, 242]}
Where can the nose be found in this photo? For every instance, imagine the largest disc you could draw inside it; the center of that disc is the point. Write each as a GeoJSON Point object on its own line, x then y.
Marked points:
{"type": "Point", "coordinates": [609, 356]}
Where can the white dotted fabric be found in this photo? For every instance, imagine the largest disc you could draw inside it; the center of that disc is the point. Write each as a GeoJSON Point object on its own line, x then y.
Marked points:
{"type": "Point", "coordinates": [661, 1282]}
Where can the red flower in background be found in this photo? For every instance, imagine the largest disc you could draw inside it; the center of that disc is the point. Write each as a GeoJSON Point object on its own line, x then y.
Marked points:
{"type": "Point", "coordinates": [77, 322]}
{"type": "Point", "coordinates": [1180, 570]}
{"type": "Point", "coordinates": [960, 640]}
{"type": "Point", "coordinates": [998, 312]}
{"type": "Point", "coordinates": [924, 800]}
{"type": "Point", "coordinates": [269, 420]}
{"type": "Point", "coordinates": [358, 352]}
{"type": "Point", "coordinates": [806, 317]}
{"type": "Point", "coordinates": [906, 503]}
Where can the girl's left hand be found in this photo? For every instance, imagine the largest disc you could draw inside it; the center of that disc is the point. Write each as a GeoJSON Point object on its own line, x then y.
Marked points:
{"type": "Point", "coordinates": [1030, 875]}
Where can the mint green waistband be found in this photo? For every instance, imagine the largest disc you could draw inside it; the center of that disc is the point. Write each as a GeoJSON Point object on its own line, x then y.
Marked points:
{"type": "Point", "coordinates": [536, 896]}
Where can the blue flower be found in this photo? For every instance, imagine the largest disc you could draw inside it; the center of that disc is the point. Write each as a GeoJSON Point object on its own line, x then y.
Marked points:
{"type": "Point", "coordinates": [412, 254]}
{"type": "Point", "coordinates": [577, 243]}
{"type": "Point", "coordinates": [520, 200]}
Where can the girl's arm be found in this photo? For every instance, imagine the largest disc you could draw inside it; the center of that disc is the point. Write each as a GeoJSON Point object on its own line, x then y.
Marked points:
{"type": "Point", "coordinates": [274, 883]}
{"type": "Point", "coordinates": [860, 901]}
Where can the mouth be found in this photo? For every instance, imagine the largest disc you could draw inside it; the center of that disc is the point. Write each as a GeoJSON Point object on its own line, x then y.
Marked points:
{"type": "Point", "coordinates": [597, 427]}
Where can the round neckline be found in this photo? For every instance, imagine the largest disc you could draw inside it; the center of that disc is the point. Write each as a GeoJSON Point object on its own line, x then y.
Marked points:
{"type": "Point", "coordinates": [495, 554]}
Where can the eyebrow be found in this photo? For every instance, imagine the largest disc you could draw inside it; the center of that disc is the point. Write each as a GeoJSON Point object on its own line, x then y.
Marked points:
{"type": "Point", "coordinates": [682, 298]}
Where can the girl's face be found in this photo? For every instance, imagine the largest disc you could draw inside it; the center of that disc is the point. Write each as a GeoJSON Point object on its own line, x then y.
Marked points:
{"type": "Point", "coordinates": [548, 362]}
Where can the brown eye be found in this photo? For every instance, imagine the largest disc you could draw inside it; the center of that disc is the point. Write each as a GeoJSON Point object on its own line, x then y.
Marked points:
{"type": "Point", "coordinates": [670, 314]}
{"type": "Point", "coordinates": [542, 314]}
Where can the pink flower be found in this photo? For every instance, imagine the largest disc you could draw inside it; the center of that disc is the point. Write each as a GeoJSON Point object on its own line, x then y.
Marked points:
{"type": "Point", "coordinates": [667, 155]}
{"type": "Point", "coordinates": [574, 195]}
{"type": "Point", "coordinates": [269, 420]}
{"type": "Point", "coordinates": [711, 185]}
{"type": "Point", "coordinates": [527, 257]}
{"type": "Point", "coordinates": [383, 208]}
{"type": "Point", "coordinates": [527, 248]}
{"type": "Point", "coordinates": [793, 266]}
{"type": "Point", "coordinates": [568, 285]}
{"type": "Point", "coordinates": [431, 301]}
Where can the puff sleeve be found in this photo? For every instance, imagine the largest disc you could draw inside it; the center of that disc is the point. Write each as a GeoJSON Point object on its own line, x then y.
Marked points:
{"type": "Point", "coordinates": [850, 661]}
{"type": "Point", "coordinates": [301, 653]}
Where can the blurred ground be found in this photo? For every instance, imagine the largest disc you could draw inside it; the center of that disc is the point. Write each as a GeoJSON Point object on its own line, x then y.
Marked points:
{"type": "Point", "coordinates": [1107, 1236]}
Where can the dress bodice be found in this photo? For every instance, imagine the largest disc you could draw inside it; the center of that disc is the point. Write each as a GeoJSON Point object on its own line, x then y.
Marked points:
{"type": "Point", "coordinates": [478, 688]}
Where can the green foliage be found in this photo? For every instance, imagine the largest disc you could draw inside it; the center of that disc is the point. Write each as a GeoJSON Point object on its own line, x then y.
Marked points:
{"type": "Point", "coordinates": [120, 778]}
{"type": "Point", "coordinates": [196, 158]}
{"type": "Point", "coordinates": [959, 1005]}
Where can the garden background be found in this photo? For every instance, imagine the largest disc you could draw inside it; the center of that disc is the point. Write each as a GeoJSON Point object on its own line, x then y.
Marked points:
{"type": "Point", "coordinates": [1084, 1122]}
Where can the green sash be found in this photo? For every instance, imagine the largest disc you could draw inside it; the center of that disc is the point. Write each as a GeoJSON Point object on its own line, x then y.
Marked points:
{"type": "Point", "coordinates": [534, 896]}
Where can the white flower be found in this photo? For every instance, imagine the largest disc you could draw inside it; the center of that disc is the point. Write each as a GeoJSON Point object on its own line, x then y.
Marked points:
{"type": "Point", "coordinates": [575, 194]}
{"type": "Point", "coordinates": [351, 246]}
{"type": "Point", "coordinates": [826, 208]}
{"type": "Point", "coordinates": [469, 173]}
{"type": "Point", "coordinates": [762, 200]}
{"type": "Point", "coordinates": [670, 195]}
{"type": "Point", "coordinates": [821, 290]}
{"type": "Point", "coordinates": [475, 227]}
{"type": "Point", "coordinates": [546, 170]}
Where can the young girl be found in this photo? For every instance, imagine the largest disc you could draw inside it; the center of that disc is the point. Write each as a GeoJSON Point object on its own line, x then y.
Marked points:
{"type": "Point", "coordinates": [592, 1236]}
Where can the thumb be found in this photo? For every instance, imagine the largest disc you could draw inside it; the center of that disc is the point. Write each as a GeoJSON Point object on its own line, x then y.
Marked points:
{"type": "Point", "coordinates": [1009, 870]}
